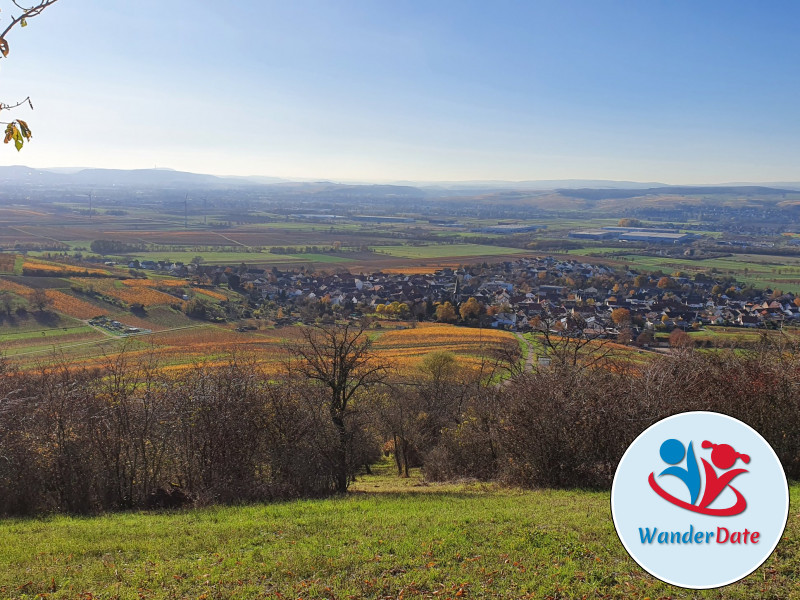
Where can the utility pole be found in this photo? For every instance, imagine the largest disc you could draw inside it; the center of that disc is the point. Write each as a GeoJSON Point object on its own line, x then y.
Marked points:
{"type": "Point", "coordinates": [186, 212]}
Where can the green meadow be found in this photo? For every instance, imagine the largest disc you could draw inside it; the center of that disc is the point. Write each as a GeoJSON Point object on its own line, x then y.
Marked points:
{"type": "Point", "coordinates": [445, 250]}
{"type": "Point", "coordinates": [762, 271]}
{"type": "Point", "coordinates": [387, 538]}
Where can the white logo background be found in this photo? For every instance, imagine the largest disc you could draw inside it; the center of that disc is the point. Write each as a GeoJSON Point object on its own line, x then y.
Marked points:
{"type": "Point", "coordinates": [635, 505]}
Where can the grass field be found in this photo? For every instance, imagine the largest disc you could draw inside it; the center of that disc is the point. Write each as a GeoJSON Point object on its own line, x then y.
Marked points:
{"type": "Point", "coordinates": [445, 251]}
{"type": "Point", "coordinates": [777, 272]}
{"type": "Point", "coordinates": [388, 538]}
{"type": "Point", "coordinates": [233, 258]}
{"type": "Point", "coordinates": [180, 341]}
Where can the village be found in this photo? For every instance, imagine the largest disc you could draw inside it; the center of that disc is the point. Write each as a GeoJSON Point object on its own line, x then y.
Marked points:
{"type": "Point", "coordinates": [513, 295]}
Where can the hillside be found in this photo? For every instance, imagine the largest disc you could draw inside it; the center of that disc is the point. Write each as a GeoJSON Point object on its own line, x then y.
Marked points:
{"type": "Point", "coordinates": [389, 538]}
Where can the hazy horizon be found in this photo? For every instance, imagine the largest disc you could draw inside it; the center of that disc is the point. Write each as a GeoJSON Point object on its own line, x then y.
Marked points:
{"type": "Point", "coordinates": [422, 182]}
{"type": "Point", "coordinates": [676, 93]}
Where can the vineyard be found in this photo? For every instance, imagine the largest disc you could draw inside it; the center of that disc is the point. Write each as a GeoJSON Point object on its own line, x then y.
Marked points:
{"type": "Point", "coordinates": [211, 294]}
{"type": "Point", "coordinates": [152, 283]}
{"type": "Point", "coordinates": [7, 263]}
{"type": "Point", "coordinates": [56, 300]}
{"type": "Point", "coordinates": [74, 307]}
{"type": "Point", "coordinates": [131, 291]}
{"type": "Point", "coordinates": [16, 288]}
{"type": "Point", "coordinates": [39, 268]}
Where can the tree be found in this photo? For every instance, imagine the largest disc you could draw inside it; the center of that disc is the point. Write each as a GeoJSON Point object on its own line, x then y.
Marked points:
{"type": "Point", "coordinates": [7, 301]}
{"type": "Point", "coordinates": [621, 316]}
{"type": "Point", "coordinates": [570, 342]}
{"type": "Point", "coordinates": [339, 358]}
{"type": "Point", "coordinates": [18, 129]}
{"type": "Point", "coordinates": [680, 339]}
{"type": "Point", "coordinates": [471, 309]}
{"type": "Point", "coordinates": [113, 247]}
{"type": "Point", "coordinates": [646, 338]}
{"type": "Point", "coordinates": [40, 299]}
{"type": "Point", "coordinates": [446, 313]}
{"type": "Point", "coordinates": [665, 283]}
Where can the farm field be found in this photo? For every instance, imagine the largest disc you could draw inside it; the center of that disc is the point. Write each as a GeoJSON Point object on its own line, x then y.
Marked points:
{"type": "Point", "coordinates": [228, 258]}
{"type": "Point", "coordinates": [395, 247]}
{"type": "Point", "coordinates": [777, 272]}
{"type": "Point", "coordinates": [446, 251]}
{"type": "Point", "coordinates": [731, 335]}
{"type": "Point", "coordinates": [178, 340]}
{"type": "Point", "coordinates": [388, 538]}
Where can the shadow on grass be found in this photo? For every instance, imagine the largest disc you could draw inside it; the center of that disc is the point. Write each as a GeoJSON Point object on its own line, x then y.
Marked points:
{"type": "Point", "coordinates": [47, 318]}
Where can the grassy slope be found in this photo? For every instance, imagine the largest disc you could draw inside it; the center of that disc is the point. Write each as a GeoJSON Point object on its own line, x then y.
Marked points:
{"type": "Point", "coordinates": [388, 538]}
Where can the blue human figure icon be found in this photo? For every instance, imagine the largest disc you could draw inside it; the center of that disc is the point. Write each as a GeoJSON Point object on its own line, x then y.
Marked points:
{"type": "Point", "coordinates": [672, 452]}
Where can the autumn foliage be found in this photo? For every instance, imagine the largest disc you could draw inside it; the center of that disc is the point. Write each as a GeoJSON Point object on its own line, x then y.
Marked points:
{"type": "Point", "coordinates": [37, 268]}
{"type": "Point", "coordinates": [72, 306]}
{"type": "Point", "coordinates": [137, 430]}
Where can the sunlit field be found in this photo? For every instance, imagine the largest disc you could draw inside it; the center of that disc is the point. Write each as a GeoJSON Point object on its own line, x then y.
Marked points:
{"type": "Point", "coordinates": [388, 538]}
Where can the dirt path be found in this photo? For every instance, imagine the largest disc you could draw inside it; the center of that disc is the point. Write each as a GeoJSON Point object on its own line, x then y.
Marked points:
{"type": "Point", "coordinates": [529, 356]}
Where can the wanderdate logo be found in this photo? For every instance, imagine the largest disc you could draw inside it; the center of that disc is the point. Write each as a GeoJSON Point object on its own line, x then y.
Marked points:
{"type": "Point", "coordinates": [699, 500]}
{"type": "Point", "coordinates": [723, 457]}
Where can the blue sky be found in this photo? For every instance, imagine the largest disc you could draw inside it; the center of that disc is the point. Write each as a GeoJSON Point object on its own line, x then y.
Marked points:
{"type": "Point", "coordinates": [671, 91]}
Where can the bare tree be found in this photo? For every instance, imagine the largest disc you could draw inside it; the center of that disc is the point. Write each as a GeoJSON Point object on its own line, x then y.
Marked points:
{"type": "Point", "coordinates": [339, 358]}
{"type": "Point", "coordinates": [18, 130]}
{"type": "Point", "coordinates": [40, 299]}
{"type": "Point", "coordinates": [570, 341]}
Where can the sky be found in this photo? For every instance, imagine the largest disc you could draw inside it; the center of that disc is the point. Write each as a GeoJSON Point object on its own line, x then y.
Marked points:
{"type": "Point", "coordinates": [671, 91]}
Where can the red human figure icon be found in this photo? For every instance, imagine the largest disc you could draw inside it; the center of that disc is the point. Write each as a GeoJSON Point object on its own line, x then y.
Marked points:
{"type": "Point", "coordinates": [724, 457]}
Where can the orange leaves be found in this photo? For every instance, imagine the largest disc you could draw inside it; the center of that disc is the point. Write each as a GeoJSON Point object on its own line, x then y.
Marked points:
{"type": "Point", "coordinates": [74, 307]}
{"type": "Point", "coordinates": [41, 268]}
{"type": "Point", "coordinates": [459, 339]}
{"type": "Point", "coordinates": [211, 294]}
{"type": "Point", "coordinates": [130, 293]}
{"type": "Point", "coordinates": [146, 297]}
{"type": "Point", "coordinates": [10, 286]}
{"type": "Point", "coordinates": [405, 348]}
{"type": "Point", "coordinates": [151, 283]}
{"type": "Point", "coordinates": [15, 131]}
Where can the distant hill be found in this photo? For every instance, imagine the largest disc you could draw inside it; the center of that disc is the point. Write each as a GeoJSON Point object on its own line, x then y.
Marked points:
{"type": "Point", "coordinates": [20, 175]}
{"type": "Point", "coordinates": [543, 184]}
{"type": "Point", "coordinates": [606, 194]}
{"type": "Point", "coordinates": [591, 190]}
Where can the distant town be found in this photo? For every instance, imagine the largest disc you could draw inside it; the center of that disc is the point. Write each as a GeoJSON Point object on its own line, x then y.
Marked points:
{"type": "Point", "coordinates": [508, 295]}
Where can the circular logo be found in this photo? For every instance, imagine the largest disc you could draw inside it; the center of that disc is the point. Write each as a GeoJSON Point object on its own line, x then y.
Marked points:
{"type": "Point", "coordinates": [699, 500]}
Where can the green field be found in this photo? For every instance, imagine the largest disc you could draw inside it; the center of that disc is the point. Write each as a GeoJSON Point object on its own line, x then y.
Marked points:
{"type": "Point", "coordinates": [389, 538]}
{"type": "Point", "coordinates": [234, 258]}
{"type": "Point", "coordinates": [445, 250]}
{"type": "Point", "coordinates": [777, 272]}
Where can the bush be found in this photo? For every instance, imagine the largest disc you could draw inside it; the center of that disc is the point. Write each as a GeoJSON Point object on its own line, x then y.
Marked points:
{"type": "Point", "coordinates": [127, 436]}
{"type": "Point", "coordinates": [569, 426]}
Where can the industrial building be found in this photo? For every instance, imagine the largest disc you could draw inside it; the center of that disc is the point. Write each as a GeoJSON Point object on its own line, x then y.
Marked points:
{"type": "Point", "coordinates": [594, 234]}
{"type": "Point", "coordinates": [655, 237]}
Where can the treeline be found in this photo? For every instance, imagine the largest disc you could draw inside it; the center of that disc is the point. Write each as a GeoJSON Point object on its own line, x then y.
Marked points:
{"type": "Point", "coordinates": [131, 435]}
{"type": "Point", "coordinates": [115, 247]}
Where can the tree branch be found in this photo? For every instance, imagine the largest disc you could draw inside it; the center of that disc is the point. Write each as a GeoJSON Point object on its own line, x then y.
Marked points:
{"type": "Point", "coordinates": [26, 14]}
